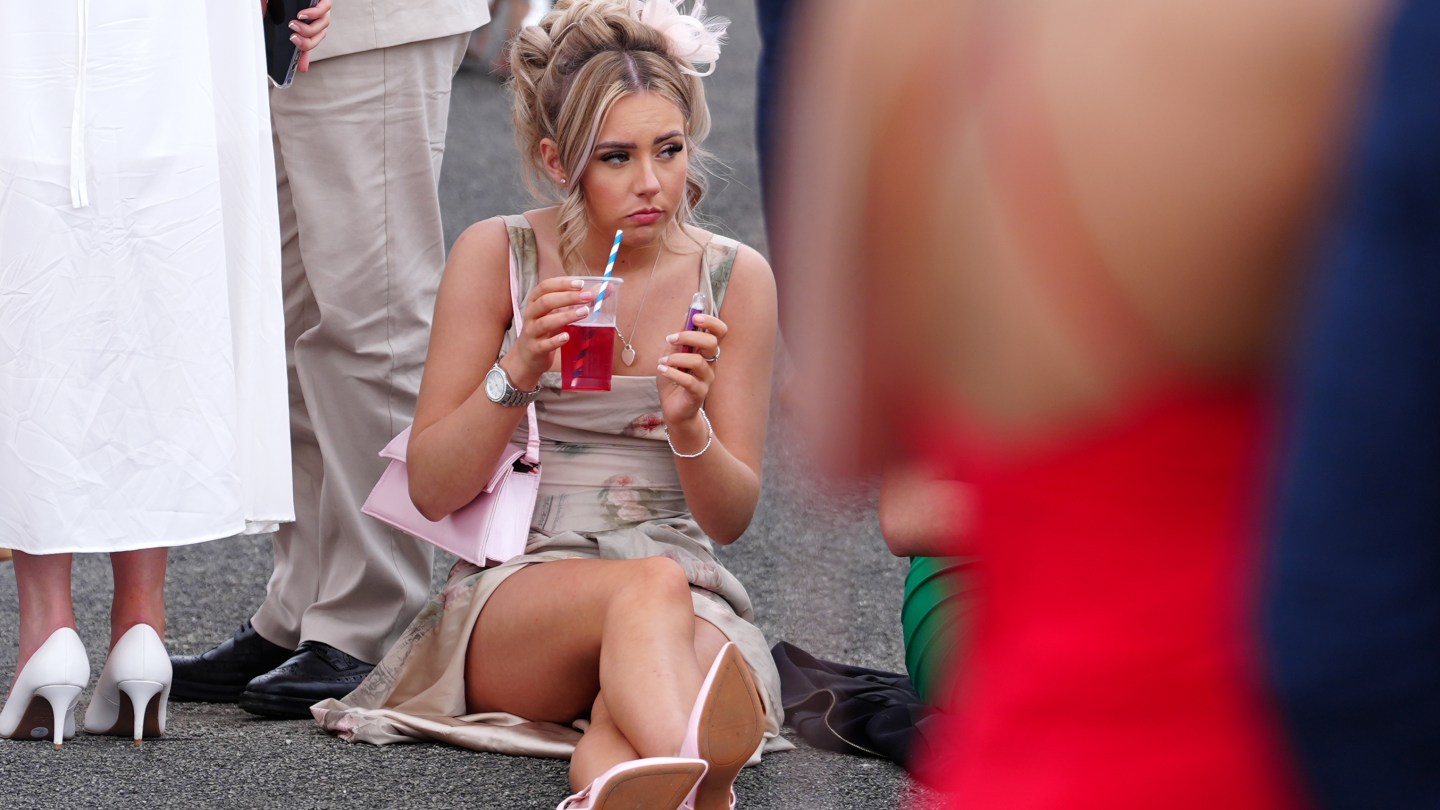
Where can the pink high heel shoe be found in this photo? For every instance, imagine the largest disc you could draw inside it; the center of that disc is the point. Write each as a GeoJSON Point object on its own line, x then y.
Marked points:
{"type": "Point", "coordinates": [655, 783]}
{"type": "Point", "coordinates": [727, 723]}
{"type": "Point", "coordinates": [41, 705]}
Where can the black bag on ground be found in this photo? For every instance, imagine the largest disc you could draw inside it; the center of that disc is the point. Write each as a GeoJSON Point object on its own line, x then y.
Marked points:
{"type": "Point", "coordinates": [854, 710]}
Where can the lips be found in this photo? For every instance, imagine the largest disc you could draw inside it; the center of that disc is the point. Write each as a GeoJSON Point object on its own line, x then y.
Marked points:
{"type": "Point", "coordinates": [648, 216]}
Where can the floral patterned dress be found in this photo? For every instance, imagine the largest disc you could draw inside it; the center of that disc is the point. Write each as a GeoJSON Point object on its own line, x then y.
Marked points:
{"type": "Point", "coordinates": [609, 490]}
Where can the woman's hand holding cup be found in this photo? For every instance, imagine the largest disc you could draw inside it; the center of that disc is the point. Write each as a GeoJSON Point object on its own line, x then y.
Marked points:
{"type": "Point", "coordinates": [553, 304]}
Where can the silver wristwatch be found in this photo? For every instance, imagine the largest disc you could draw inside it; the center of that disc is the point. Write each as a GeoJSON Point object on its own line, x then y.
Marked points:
{"type": "Point", "coordinates": [503, 392]}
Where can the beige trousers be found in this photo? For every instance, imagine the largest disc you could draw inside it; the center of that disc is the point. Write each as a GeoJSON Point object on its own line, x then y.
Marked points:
{"type": "Point", "coordinates": [358, 144]}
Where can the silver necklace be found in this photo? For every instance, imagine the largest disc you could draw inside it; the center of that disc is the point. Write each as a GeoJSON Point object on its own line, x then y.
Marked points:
{"type": "Point", "coordinates": [628, 353]}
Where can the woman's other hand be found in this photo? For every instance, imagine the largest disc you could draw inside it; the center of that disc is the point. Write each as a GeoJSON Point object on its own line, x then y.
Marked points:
{"type": "Point", "coordinates": [685, 377]}
{"type": "Point", "coordinates": [719, 464]}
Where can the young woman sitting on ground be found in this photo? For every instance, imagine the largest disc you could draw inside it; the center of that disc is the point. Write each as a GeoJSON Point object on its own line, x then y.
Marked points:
{"type": "Point", "coordinates": [618, 613]}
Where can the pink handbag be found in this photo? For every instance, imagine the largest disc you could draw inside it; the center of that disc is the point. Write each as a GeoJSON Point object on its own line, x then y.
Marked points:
{"type": "Point", "coordinates": [490, 529]}
{"type": "Point", "coordinates": [487, 531]}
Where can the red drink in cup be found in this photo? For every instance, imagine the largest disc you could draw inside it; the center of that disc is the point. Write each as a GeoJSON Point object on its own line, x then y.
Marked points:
{"type": "Point", "coordinates": [587, 357]}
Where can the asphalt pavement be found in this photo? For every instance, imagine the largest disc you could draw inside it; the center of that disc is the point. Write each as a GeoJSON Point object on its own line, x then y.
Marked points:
{"type": "Point", "coordinates": [812, 560]}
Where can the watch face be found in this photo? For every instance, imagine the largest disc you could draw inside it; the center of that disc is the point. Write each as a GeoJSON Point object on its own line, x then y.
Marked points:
{"type": "Point", "coordinates": [495, 385]}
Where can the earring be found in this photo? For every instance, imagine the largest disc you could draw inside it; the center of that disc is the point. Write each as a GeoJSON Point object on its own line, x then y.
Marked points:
{"type": "Point", "coordinates": [562, 181]}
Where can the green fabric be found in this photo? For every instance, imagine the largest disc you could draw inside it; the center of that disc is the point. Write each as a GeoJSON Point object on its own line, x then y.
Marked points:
{"type": "Point", "coordinates": [931, 619]}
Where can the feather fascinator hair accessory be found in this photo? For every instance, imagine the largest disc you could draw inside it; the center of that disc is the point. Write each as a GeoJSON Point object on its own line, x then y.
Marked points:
{"type": "Point", "coordinates": [692, 37]}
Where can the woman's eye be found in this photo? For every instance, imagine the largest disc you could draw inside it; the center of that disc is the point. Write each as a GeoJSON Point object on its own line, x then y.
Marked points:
{"type": "Point", "coordinates": [614, 158]}
{"type": "Point", "coordinates": [672, 149]}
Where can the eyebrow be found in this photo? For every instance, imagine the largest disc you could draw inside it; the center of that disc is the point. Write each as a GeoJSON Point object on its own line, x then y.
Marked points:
{"type": "Point", "coordinates": [622, 145]}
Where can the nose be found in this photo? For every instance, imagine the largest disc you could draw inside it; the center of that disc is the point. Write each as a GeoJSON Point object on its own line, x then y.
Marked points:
{"type": "Point", "coordinates": [648, 182]}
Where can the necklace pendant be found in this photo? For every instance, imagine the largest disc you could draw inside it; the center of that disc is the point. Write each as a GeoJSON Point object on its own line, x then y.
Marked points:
{"type": "Point", "coordinates": [628, 355]}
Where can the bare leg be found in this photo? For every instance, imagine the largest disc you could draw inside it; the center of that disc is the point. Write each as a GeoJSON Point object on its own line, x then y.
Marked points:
{"type": "Point", "coordinates": [601, 748]}
{"type": "Point", "coordinates": [625, 625]}
{"type": "Point", "coordinates": [479, 41]}
{"type": "Point", "coordinates": [515, 13]}
{"type": "Point", "coordinates": [514, 16]}
{"type": "Point", "coordinates": [43, 582]}
{"type": "Point", "coordinates": [480, 37]}
{"type": "Point", "coordinates": [139, 590]}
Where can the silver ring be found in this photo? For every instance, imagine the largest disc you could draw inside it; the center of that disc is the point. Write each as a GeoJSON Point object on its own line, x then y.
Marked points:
{"type": "Point", "coordinates": [712, 359]}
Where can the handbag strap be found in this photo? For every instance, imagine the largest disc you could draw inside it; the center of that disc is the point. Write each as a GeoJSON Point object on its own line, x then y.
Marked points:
{"type": "Point", "coordinates": [532, 442]}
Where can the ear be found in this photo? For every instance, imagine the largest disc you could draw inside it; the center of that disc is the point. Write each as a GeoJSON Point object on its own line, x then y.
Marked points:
{"type": "Point", "coordinates": [550, 155]}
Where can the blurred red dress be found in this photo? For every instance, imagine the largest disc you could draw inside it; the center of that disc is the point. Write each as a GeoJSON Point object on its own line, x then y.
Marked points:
{"type": "Point", "coordinates": [1112, 663]}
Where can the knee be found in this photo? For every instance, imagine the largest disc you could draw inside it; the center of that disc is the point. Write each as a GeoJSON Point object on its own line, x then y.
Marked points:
{"type": "Point", "coordinates": [657, 580]}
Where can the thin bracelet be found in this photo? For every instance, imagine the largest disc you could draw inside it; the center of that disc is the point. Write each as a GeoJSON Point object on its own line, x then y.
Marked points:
{"type": "Point", "coordinates": [709, 438]}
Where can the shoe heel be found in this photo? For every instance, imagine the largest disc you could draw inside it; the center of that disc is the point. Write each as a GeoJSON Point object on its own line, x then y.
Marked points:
{"type": "Point", "coordinates": [140, 693]}
{"type": "Point", "coordinates": [125, 696]}
{"type": "Point", "coordinates": [62, 699]}
{"type": "Point", "coordinates": [726, 724]}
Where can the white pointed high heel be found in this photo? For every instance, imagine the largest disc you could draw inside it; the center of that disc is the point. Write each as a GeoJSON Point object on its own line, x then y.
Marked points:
{"type": "Point", "coordinates": [42, 703]}
{"type": "Point", "coordinates": [138, 668]}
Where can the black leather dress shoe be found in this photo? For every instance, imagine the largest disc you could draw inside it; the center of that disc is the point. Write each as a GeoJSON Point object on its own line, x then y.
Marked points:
{"type": "Point", "coordinates": [316, 671]}
{"type": "Point", "coordinates": [219, 675]}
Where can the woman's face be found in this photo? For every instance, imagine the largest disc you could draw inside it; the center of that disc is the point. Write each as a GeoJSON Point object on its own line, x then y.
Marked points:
{"type": "Point", "coordinates": [635, 178]}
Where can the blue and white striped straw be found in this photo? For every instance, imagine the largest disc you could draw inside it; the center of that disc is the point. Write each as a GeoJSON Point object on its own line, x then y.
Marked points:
{"type": "Point", "coordinates": [609, 268]}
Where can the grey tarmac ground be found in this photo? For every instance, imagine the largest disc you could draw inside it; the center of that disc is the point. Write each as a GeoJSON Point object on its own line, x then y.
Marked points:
{"type": "Point", "coordinates": [813, 562]}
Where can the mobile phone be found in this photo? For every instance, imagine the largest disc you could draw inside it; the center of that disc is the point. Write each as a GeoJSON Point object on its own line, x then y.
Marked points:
{"type": "Point", "coordinates": [282, 55]}
{"type": "Point", "coordinates": [697, 307]}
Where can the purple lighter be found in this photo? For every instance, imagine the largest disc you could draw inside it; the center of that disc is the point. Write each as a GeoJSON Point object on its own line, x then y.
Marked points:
{"type": "Point", "coordinates": [697, 307]}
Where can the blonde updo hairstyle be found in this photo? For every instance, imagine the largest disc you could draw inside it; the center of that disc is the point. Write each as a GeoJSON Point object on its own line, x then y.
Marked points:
{"type": "Point", "coordinates": [567, 73]}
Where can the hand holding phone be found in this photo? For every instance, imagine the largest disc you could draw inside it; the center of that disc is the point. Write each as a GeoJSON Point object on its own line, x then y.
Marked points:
{"type": "Point", "coordinates": [281, 53]}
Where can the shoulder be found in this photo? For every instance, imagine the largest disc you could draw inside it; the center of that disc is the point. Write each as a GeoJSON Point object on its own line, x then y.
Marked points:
{"type": "Point", "coordinates": [486, 238]}
{"type": "Point", "coordinates": [748, 268]}
{"type": "Point", "coordinates": [478, 267]}
{"type": "Point", "coordinates": [750, 275]}
{"type": "Point", "coordinates": [750, 264]}
{"type": "Point", "coordinates": [747, 262]}
{"type": "Point", "coordinates": [750, 285]}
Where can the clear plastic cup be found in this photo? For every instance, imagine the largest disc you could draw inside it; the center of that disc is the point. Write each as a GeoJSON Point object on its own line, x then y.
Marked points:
{"type": "Point", "coordinates": [587, 358]}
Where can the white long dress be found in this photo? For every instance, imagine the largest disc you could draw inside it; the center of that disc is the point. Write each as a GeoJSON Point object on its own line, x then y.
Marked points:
{"type": "Point", "coordinates": [142, 361]}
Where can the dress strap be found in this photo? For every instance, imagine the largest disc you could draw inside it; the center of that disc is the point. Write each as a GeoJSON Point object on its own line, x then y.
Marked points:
{"type": "Point", "coordinates": [523, 272]}
{"type": "Point", "coordinates": [525, 258]}
{"type": "Point", "coordinates": [716, 266]}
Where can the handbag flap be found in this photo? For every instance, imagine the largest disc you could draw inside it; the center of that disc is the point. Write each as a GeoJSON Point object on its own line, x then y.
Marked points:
{"type": "Point", "coordinates": [508, 457]}
{"type": "Point", "coordinates": [395, 451]}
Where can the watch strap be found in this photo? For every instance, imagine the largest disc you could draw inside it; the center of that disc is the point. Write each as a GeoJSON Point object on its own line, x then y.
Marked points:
{"type": "Point", "coordinates": [512, 396]}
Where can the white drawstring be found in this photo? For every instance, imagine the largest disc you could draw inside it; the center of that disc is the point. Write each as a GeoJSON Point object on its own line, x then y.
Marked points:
{"type": "Point", "coordinates": [79, 194]}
